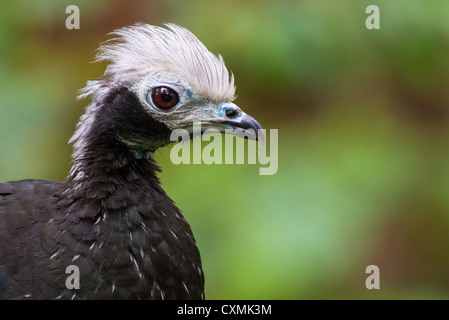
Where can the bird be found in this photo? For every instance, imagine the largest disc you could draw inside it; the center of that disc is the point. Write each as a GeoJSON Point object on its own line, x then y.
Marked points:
{"type": "Point", "coordinates": [109, 217]}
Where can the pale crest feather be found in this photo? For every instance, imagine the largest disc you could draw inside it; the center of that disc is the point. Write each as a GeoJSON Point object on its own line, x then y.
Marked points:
{"type": "Point", "coordinates": [141, 50]}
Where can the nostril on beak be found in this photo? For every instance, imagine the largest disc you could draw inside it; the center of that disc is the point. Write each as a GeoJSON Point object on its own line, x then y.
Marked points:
{"type": "Point", "coordinates": [231, 113]}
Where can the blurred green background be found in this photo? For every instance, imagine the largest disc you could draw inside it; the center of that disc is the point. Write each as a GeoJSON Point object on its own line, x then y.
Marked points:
{"type": "Point", "coordinates": [363, 121]}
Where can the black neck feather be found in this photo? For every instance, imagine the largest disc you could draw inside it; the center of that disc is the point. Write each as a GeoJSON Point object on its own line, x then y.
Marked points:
{"type": "Point", "coordinates": [108, 163]}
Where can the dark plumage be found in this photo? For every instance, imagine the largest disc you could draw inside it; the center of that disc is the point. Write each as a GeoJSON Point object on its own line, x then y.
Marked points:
{"type": "Point", "coordinates": [110, 217]}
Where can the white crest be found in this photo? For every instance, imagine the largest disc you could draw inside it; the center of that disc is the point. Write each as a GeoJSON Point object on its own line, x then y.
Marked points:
{"type": "Point", "coordinates": [141, 50]}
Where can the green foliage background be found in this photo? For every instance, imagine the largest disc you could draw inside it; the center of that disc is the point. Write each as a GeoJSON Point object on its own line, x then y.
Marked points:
{"type": "Point", "coordinates": [363, 123]}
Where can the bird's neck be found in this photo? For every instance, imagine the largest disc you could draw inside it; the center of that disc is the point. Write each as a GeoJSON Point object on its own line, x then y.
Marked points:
{"type": "Point", "coordinates": [115, 200]}
{"type": "Point", "coordinates": [113, 169]}
{"type": "Point", "coordinates": [113, 182]}
{"type": "Point", "coordinates": [105, 169]}
{"type": "Point", "coordinates": [104, 159]}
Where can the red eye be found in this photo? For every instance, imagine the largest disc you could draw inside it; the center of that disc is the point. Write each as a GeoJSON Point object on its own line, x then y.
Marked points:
{"type": "Point", "coordinates": [164, 97]}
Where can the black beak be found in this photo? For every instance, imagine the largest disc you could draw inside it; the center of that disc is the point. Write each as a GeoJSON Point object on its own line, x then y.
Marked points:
{"type": "Point", "coordinates": [245, 123]}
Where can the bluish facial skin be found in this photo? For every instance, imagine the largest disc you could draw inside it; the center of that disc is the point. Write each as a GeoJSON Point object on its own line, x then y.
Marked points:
{"type": "Point", "coordinates": [231, 111]}
{"type": "Point", "coordinates": [192, 107]}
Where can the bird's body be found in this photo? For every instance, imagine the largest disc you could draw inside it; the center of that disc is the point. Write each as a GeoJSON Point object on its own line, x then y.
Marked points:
{"type": "Point", "coordinates": [110, 217]}
{"type": "Point", "coordinates": [118, 226]}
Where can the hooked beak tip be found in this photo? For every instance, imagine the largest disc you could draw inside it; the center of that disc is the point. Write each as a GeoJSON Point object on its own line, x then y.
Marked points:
{"type": "Point", "coordinates": [245, 125]}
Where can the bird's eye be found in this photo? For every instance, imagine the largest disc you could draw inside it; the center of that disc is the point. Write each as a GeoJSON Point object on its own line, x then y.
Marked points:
{"type": "Point", "coordinates": [164, 97]}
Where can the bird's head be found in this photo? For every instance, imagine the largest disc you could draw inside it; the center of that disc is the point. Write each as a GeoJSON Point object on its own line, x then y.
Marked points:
{"type": "Point", "coordinates": [175, 82]}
